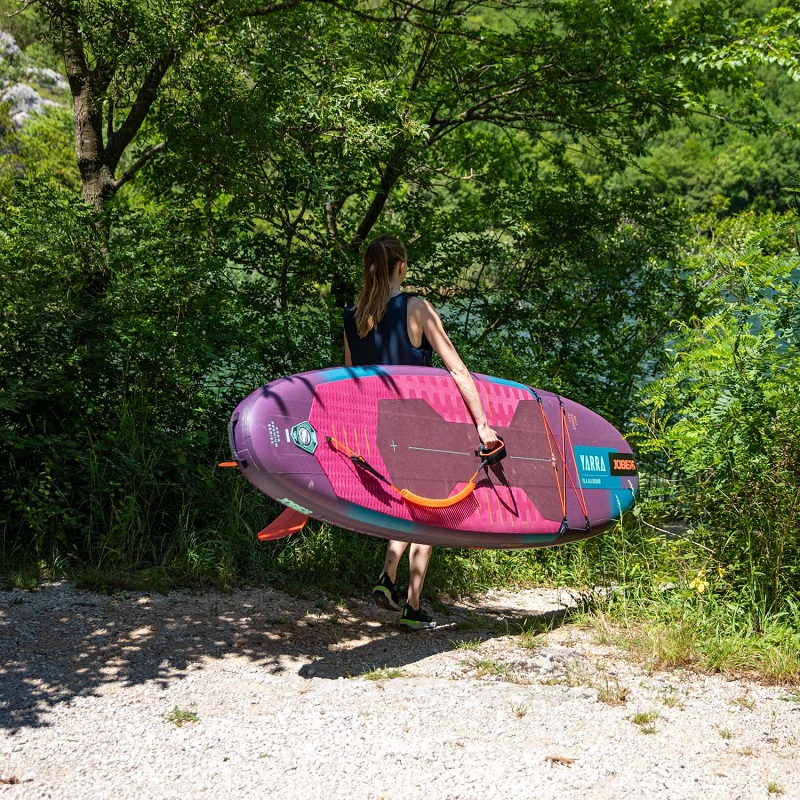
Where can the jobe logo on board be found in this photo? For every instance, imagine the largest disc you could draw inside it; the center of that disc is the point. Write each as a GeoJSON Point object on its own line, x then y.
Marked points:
{"type": "Point", "coordinates": [622, 464]}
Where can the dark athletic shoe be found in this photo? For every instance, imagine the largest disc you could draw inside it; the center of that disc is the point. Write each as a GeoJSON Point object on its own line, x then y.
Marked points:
{"type": "Point", "coordinates": [416, 620]}
{"type": "Point", "coordinates": [386, 595]}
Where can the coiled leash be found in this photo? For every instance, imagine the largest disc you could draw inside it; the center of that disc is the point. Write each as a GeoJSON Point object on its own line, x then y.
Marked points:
{"type": "Point", "coordinates": [488, 458]}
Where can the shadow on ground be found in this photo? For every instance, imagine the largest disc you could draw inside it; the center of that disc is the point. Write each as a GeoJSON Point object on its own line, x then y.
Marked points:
{"type": "Point", "coordinates": [59, 643]}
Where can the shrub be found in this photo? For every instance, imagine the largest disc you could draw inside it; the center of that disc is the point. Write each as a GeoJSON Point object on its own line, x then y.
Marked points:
{"type": "Point", "coordinates": [727, 412]}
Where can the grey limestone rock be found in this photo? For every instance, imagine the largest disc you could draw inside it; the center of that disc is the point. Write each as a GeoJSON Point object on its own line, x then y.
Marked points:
{"type": "Point", "coordinates": [23, 101]}
{"type": "Point", "coordinates": [46, 78]}
{"type": "Point", "coordinates": [9, 49]}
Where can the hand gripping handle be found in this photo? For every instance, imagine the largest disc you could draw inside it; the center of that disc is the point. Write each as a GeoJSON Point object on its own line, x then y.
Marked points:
{"type": "Point", "coordinates": [491, 457]}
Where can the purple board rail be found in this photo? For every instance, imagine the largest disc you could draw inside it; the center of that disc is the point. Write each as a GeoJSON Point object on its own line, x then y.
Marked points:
{"type": "Point", "coordinates": [568, 475]}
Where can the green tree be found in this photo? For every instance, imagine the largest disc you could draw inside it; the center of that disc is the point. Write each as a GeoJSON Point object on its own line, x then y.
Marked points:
{"type": "Point", "coordinates": [714, 166]}
{"type": "Point", "coordinates": [436, 121]}
{"type": "Point", "coordinates": [610, 73]}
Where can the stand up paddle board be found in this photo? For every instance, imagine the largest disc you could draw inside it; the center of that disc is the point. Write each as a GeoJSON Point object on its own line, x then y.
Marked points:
{"type": "Point", "coordinates": [393, 452]}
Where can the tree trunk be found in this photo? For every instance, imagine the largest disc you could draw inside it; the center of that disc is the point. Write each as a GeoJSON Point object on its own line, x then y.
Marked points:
{"type": "Point", "coordinates": [98, 146]}
{"type": "Point", "coordinates": [96, 176]}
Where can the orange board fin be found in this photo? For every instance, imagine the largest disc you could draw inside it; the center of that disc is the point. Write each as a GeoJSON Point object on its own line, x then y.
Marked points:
{"type": "Point", "coordinates": [286, 523]}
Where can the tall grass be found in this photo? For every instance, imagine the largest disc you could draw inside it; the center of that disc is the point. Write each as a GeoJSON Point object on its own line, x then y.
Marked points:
{"type": "Point", "coordinates": [676, 605]}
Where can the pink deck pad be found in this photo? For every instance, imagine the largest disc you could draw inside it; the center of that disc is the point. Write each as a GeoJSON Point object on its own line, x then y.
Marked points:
{"type": "Point", "coordinates": [348, 411]}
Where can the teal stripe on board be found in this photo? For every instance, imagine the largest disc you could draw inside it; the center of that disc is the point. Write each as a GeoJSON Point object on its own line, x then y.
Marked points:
{"type": "Point", "coordinates": [378, 518]}
{"type": "Point", "coordinates": [348, 373]}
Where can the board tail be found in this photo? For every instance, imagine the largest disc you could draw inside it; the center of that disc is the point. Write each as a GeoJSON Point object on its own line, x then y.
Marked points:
{"type": "Point", "coordinates": [285, 524]}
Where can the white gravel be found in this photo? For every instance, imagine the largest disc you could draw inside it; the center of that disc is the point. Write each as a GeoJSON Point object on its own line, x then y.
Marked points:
{"type": "Point", "coordinates": [285, 706]}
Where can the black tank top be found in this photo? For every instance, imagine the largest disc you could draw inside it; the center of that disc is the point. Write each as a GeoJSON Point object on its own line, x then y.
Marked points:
{"type": "Point", "coordinates": [389, 344]}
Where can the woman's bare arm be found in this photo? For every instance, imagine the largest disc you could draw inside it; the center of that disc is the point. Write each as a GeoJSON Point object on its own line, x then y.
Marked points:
{"type": "Point", "coordinates": [422, 318]}
{"type": "Point", "coordinates": [348, 359]}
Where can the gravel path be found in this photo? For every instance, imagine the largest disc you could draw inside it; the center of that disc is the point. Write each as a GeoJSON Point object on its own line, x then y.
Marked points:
{"type": "Point", "coordinates": [259, 694]}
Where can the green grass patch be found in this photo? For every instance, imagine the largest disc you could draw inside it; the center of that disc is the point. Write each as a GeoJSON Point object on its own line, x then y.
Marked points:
{"type": "Point", "coordinates": [382, 673]}
{"type": "Point", "coordinates": [646, 720]}
{"type": "Point", "coordinates": [520, 710]}
{"type": "Point", "coordinates": [611, 692]}
{"type": "Point", "coordinates": [672, 607]}
{"type": "Point", "coordinates": [180, 716]}
{"type": "Point", "coordinates": [467, 644]}
{"type": "Point", "coordinates": [703, 639]}
{"type": "Point", "coordinates": [487, 667]}
{"type": "Point", "coordinates": [531, 640]}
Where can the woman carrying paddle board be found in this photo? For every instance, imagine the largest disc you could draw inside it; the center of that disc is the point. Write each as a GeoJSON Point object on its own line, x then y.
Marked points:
{"type": "Point", "coordinates": [389, 326]}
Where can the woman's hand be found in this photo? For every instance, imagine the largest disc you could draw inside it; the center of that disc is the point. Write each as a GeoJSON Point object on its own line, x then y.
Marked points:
{"type": "Point", "coordinates": [488, 436]}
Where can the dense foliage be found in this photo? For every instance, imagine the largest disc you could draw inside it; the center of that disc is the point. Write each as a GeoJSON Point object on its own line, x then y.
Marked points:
{"type": "Point", "coordinates": [727, 412]}
{"type": "Point", "coordinates": [593, 194]}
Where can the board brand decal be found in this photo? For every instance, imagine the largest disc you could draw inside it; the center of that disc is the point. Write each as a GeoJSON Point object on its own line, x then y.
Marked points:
{"type": "Point", "coordinates": [593, 467]}
{"type": "Point", "coordinates": [601, 468]}
{"type": "Point", "coordinates": [622, 464]}
{"type": "Point", "coordinates": [305, 437]}
{"type": "Point", "coordinates": [592, 463]}
{"type": "Point", "coordinates": [296, 506]}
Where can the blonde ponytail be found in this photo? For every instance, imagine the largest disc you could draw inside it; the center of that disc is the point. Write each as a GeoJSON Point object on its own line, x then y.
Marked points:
{"type": "Point", "coordinates": [380, 259]}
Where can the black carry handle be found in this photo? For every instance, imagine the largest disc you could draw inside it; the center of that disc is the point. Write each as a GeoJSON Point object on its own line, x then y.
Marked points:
{"type": "Point", "coordinates": [491, 457]}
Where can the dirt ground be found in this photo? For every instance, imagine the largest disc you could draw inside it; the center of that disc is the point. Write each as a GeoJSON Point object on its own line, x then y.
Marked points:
{"type": "Point", "coordinates": [162, 696]}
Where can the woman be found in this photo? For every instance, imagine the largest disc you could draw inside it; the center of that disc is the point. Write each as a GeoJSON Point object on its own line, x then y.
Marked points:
{"type": "Point", "coordinates": [388, 326]}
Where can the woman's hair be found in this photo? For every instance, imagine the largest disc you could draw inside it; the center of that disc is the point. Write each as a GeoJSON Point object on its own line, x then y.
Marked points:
{"type": "Point", "coordinates": [380, 259]}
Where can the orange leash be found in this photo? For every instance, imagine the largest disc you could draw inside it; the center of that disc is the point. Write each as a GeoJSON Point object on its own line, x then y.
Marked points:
{"type": "Point", "coordinates": [426, 502]}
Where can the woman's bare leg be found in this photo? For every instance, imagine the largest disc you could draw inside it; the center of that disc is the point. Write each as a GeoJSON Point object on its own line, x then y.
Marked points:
{"type": "Point", "coordinates": [419, 557]}
{"type": "Point", "coordinates": [394, 553]}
